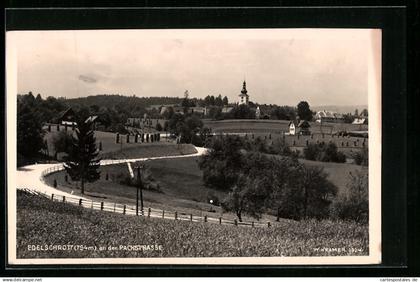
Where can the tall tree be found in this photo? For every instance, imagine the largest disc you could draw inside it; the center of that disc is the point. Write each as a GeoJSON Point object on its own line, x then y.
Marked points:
{"type": "Point", "coordinates": [82, 162]}
{"type": "Point", "coordinates": [225, 101]}
{"type": "Point", "coordinates": [185, 102]}
{"type": "Point", "coordinates": [248, 196]}
{"type": "Point", "coordinates": [29, 131]}
{"type": "Point", "coordinates": [218, 101]}
{"type": "Point", "coordinates": [304, 111]}
{"type": "Point", "coordinates": [364, 113]}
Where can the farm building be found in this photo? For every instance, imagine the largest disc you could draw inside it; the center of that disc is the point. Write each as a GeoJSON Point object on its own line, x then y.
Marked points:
{"type": "Point", "coordinates": [197, 110]}
{"type": "Point", "coordinates": [257, 113]}
{"type": "Point", "coordinates": [227, 109]}
{"type": "Point", "coordinates": [360, 121]}
{"type": "Point", "coordinates": [302, 128]}
{"type": "Point", "coordinates": [292, 128]}
{"type": "Point", "coordinates": [327, 116]}
{"type": "Point", "coordinates": [96, 122]}
{"type": "Point", "coordinates": [67, 117]}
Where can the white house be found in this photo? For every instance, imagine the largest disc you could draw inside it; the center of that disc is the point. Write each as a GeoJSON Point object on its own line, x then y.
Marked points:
{"type": "Point", "coordinates": [327, 116]}
{"type": "Point", "coordinates": [292, 128]}
{"type": "Point", "coordinates": [360, 121]}
{"type": "Point", "coordinates": [257, 113]}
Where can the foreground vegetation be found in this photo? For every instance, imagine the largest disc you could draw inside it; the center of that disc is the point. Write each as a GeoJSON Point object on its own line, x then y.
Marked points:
{"type": "Point", "coordinates": [257, 182]}
{"type": "Point", "coordinates": [43, 222]}
{"type": "Point", "coordinates": [180, 185]}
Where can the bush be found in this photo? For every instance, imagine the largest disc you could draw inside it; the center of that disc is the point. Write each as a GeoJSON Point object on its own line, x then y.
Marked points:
{"type": "Point", "coordinates": [62, 142]}
{"type": "Point", "coordinates": [361, 157]}
{"type": "Point", "coordinates": [324, 153]}
{"type": "Point", "coordinates": [212, 196]}
{"type": "Point", "coordinates": [354, 205]}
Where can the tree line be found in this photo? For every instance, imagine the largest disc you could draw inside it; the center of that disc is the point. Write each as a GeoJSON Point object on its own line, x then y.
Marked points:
{"type": "Point", "coordinates": [256, 183]}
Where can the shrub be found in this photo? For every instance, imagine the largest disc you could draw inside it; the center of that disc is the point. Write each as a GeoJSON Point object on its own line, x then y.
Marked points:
{"type": "Point", "coordinates": [311, 152]}
{"type": "Point", "coordinates": [324, 153]}
{"type": "Point", "coordinates": [354, 205]}
{"type": "Point", "coordinates": [361, 157]}
{"type": "Point", "coordinates": [212, 196]}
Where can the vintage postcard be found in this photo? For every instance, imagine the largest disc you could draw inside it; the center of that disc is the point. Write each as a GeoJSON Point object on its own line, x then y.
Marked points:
{"type": "Point", "coordinates": [194, 146]}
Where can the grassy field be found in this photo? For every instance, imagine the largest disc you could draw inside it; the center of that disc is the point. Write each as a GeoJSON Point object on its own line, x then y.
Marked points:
{"type": "Point", "coordinates": [181, 185]}
{"type": "Point", "coordinates": [272, 131]}
{"type": "Point", "coordinates": [107, 139]}
{"type": "Point", "coordinates": [98, 234]}
{"type": "Point", "coordinates": [275, 126]}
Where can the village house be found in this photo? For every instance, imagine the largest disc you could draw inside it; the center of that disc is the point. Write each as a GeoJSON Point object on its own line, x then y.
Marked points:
{"type": "Point", "coordinates": [67, 117]}
{"type": "Point", "coordinates": [360, 121]}
{"type": "Point", "coordinates": [328, 116]}
{"type": "Point", "coordinates": [302, 128]}
{"type": "Point", "coordinates": [226, 109]}
{"type": "Point", "coordinates": [96, 122]}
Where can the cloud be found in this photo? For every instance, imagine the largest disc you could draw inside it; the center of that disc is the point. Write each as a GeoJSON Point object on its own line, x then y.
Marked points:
{"type": "Point", "coordinates": [87, 79]}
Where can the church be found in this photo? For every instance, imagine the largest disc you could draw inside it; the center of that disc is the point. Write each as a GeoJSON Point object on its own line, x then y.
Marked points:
{"type": "Point", "coordinates": [243, 97]}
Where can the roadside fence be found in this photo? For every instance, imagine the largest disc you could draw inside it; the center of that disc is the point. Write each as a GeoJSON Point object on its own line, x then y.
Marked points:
{"type": "Point", "coordinates": [147, 212]}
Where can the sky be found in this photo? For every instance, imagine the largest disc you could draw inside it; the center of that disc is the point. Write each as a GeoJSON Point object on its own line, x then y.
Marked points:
{"type": "Point", "coordinates": [280, 66]}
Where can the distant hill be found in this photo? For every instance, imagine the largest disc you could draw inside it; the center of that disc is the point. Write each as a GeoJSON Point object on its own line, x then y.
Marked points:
{"type": "Point", "coordinates": [340, 109]}
{"type": "Point", "coordinates": [111, 100]}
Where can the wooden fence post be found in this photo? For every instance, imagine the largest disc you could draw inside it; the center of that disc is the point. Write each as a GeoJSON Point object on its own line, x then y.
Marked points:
{"type": "Point", "coordinates": [115, 205]}
{"type": "Point", "coordinates": [124, 209]}
{"type": "Point", "coordinates": [205, 218]}
{"type": "Point", "coordinates": [91, 205]}
{"type": "Point", "coordinates": [163, 213]}
{"type": "Point", "coordinates": [149, 210]}
{"type": "Point", "coordinates": [268, 224]}
{"type": "Point", "coordinates": [190, 217]}
{"type": "Point", "coordinates": [236, 222]}
{"type": "Point", "coordinates": [52, 197]}
{"type": "Point", "coordinates": [176, 215]}
{"type": "Point", "coordinates": [64, 199]}
{"type": "Point", "coordinates": [220, 220]}
{"type": "Point", "coordinates": [252, 224]}
{"type": "Point", "coordinates": [80, 201]}
{"type": "Point", "coordinates": [102, 206]}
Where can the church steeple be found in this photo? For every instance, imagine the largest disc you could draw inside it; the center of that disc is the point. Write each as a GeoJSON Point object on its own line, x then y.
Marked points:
{"type": "Point", "coordinates": [244, 91]}
{"type": "Point", "coordinates": [244, 97]}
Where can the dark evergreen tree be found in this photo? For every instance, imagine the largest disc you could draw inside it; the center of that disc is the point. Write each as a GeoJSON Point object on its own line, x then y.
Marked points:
{"type": "Point", "coordinates": [82, 163]}
{"type": "Point", "coordinates": [29, 131]}
{"type": "Point", "coordinates": [225, 101]}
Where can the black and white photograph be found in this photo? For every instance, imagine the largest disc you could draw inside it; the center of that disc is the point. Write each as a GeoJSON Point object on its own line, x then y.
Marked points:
{"type": "Point", "coordinates": [194, 146]}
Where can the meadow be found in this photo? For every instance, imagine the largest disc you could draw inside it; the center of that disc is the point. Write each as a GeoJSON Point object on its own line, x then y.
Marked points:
{"type": "Point", "coordinates": [43, 222]}
{"type": "Point", "coordinates": [276, 126]}
{"type": "Point", "coordinates": [273, 130]}
{"type": "Point", "coordinates": [108, 140]}
{"type": "Point", "coordinates": [181, 186]}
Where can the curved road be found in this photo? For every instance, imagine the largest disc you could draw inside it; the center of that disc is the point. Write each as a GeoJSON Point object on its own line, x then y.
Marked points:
{"type": "Point", "coordinates": [32, 176]}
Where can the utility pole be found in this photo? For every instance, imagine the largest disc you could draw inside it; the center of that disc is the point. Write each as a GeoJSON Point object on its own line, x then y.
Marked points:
{"type": "Point", "coordinates": [139, 191]}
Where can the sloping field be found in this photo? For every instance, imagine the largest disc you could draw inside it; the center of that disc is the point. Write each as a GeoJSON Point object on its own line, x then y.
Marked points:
{"type": "Point", "coordinates": [106, 138]}
{"type": "Point", "coordinates": [98, 234]}
{"type": "Point", "coordinates": [275, 126]}
{"type": "Point", "coordinates": [338, 173]}
{"type": "Point", "coordinates": [181, 185]}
